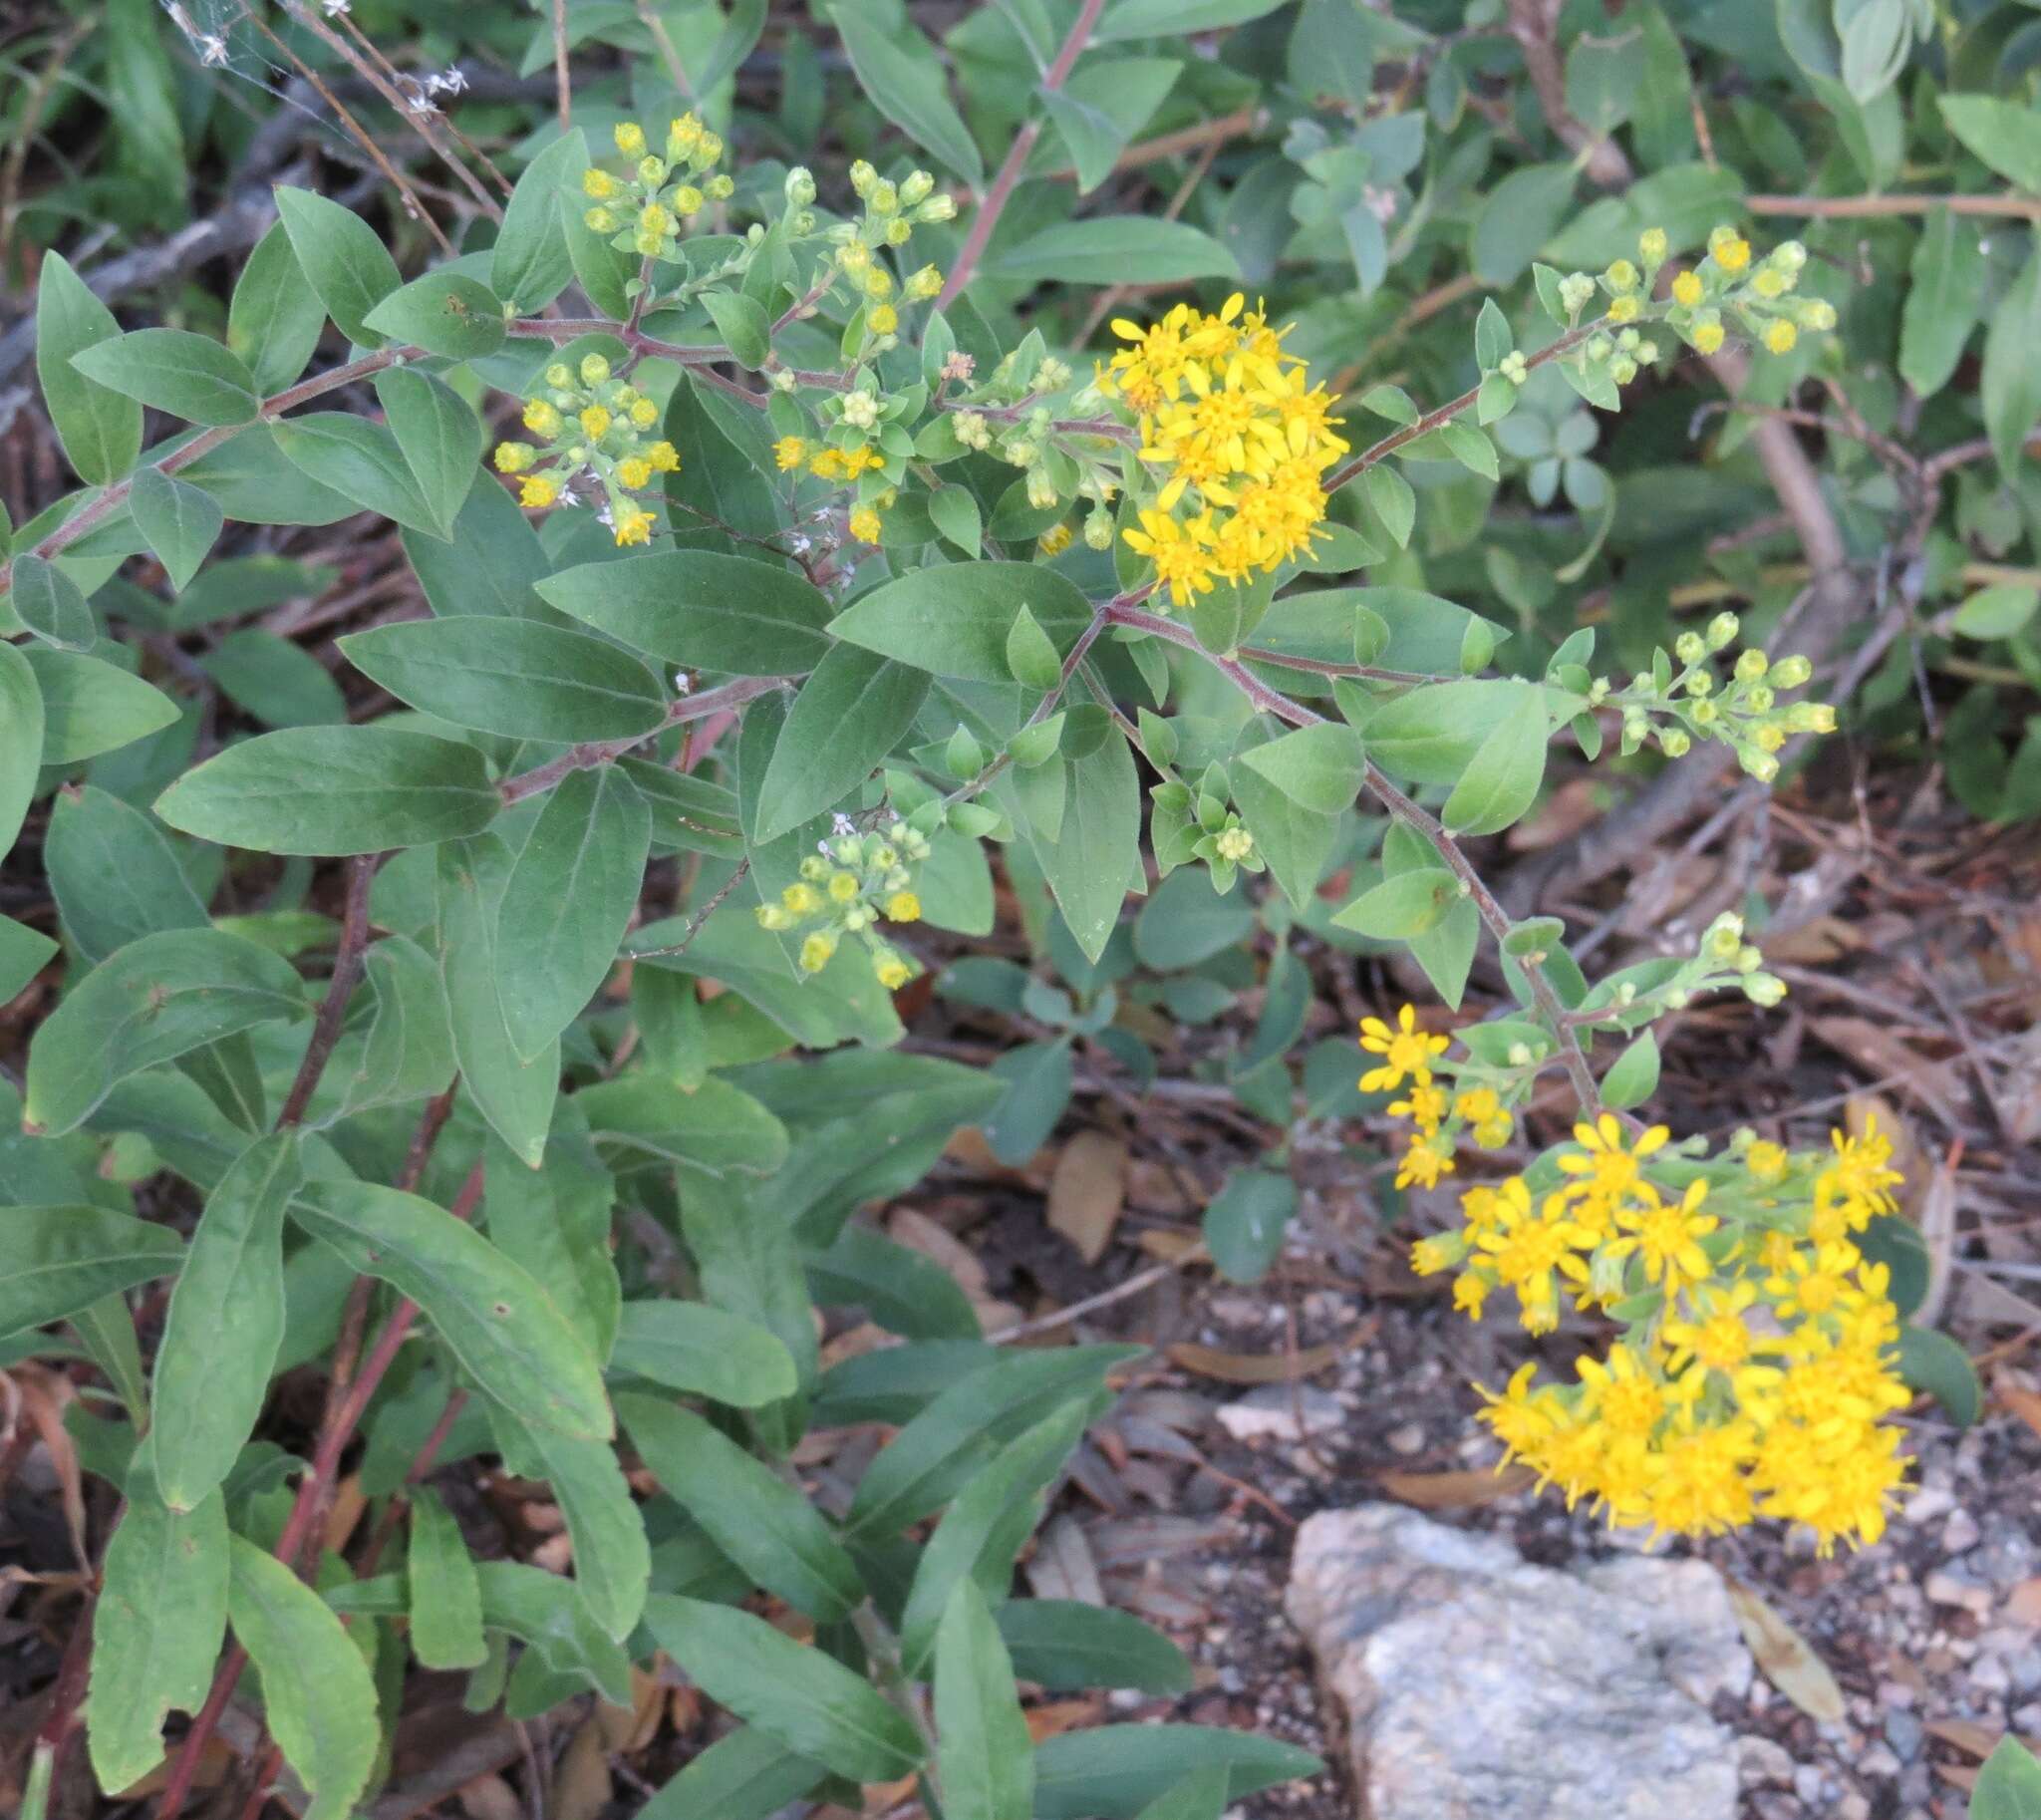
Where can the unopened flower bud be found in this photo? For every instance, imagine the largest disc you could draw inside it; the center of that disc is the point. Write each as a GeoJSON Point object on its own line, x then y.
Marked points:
{"type": "Point", "coordinates": [1690, 648]}
{"type": "Point", "coordinates": [1765, 989]}
{"type": "Point", "coordinates": [1790, 672]}
{"type": "Point", "coordinates": [801, 186]}
{"type": "Point", "coordinates": [1752, 665]}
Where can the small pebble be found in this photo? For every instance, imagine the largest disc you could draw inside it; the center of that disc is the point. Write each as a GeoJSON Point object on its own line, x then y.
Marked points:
{"type": "Point", "coordinates": [1961, 1532]}
{"type": "Point", "coordinates": [1904, 1733]}
{"type": "Point", "coordinates": [1407, 1439]}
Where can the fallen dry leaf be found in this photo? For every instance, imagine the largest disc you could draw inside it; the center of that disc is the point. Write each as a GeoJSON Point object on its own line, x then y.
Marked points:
{"type": "Point", "coordinates": [1466, 1490]}
{"type": "Point", "coordinates": [1786, 1658]}
{"type": "Point", "coordinates": [1055, 1716]}
{"type": "Point", "coordinates": [2024, 1404]}
{"type": "Point", "coordinates": [1256, 1367]}
{"type": "Point", "coordinates": [1087, 1192]}
{"type": "Point", "coordinates": [909, 1227]}
{"type": "Point", "coordinates": [1881, 1053]}
{"type": "Point", "coordinates": [581, 1784]}
{"type": "Point", "coordinates": [490, 1798]}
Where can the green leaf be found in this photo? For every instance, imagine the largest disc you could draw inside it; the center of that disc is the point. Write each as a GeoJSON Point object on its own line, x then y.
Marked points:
{"type": "Point", "coordinates": [275, 318]}
{"type": "Point", "coordinates": [50, 605]}
{"type": "Point", "coordinates": [1112, 1772]}
{"type": "Point", "coordinates": [2006, 135]}
{"type": "Point", "coordinates": [156, 1000]}
{"type": "Point", "coordinates": [902, 76]}
{"type": "Point", "coordinates": [1933, 1362]}
{"type": "Point", "coordinates": [715, 1126]}
{"type": "Point", "coordinates": [1087, 863]}
{"type": "Point", "coordinates": [848, 716]}
{"type": "Point", "coordinates": [101, 428]}
{"type": "Point", "coordinates": [2010, 382]}
{"type": "Point", "coordinates": [750, 1268]}
{"type": "Point", "coordinates": [1517, 218]}
{"type": "Point", "coordinates": [1945, 282]}
{"type": "Point", "coordinates": [334, 790]}
{"type": "Point", "coordinates": [812, 1703]}
{"type": "Point", "coordinates": [490, 566]}
{"type": "Point", "coordinates": [1492, 337]}
{"type": "Point", "coordinates": [440, 437]}
{"type": "Point", "coordinates": [1063, 1645]}
{"type": "Point", "coordinates": [180, 522]}
{"type": "Point", "coordinates": [1393, 501]}
{"type": "Point", "coordinates": [156, 1629]}
{"type": "Point", "coordinates": [612, 1557]}
{"type": "Point", "coordinates": [274, 681]}
{"type": "Point", "coordinates": [61, 1259]}
{"type": "Point", "coordinates": [567, 902]}
{"type": "Point", "coordinates": [1108, 249]}
{"type": "Point", "coordinates": [317, 1696]}
{"type": "Point", "coordinates": [2008, 1787]}
{"type": "Point", "coordinates": [342, 258]}
{"type": "Point", "coordinates": [764, 1524]}
{"type": "Point", "coordinates": [408, 1052]}
{"type": "Point", "coordinates": [1186, 922]}
{"type": "Point", "coordinates": [225, 1325]}
{"type": "Point", "coordinates": [745, 329]}
{"type": "Point", "coordinates": [901, 1290]}
{"type": "Point", "coordinates": [702, 609]}
{"type": "Point", "coordinates": [24, 953]}
{"type": "Point", "coordinates": [1171, 18]}
{"type": "Point", "coordinates": [934, 1455]}
{"type": "Point", "coordinates": [445, 1593]}
{"type": "Point", "coordinates": [501, 1324]}
{"type": "Point", "coordinates": [746, 1775]}
{"type": "Point", "coordinates": [175, 371]}
{"type": "Point", "coordinates": [1245, 1223]}
{"type": "Point", "coordinates": [520, 679]}
{"type": "Point", "coordinates": [706, 1351]}
{"type": "Point", "coordinates": [1430, 734]}
{"type": "Point", "coordinates": [91, 706]}
{"type": "Point", "coordinates": [1635, 1078]}
{"type": "Point", "coordinates": [362, 462]}
{"type": "Point", "coordinates": [529, 266]}
{"type": "Point", "coordinates": [954, 512]}
{"type": "Point", "coordinates": [1604, 78]}
{"type": "Point", "coordinates": [1401, 907]}
{"type": "Point", "coordinates": [445, 313]}
{"type": "Point", "coordinates": [21, 740]}
{"type": "Point", "coordinates": [1502, 780]}
{"type": "Point", "coordinates": [984, 1759]}
{"type": "Point", "coordinates": [986, 1525]}
{"type": "Point", "coordinates": [1999, 611]}
{"type": "Point", "coordinates": [1317, 768]}
{"type": "Point", "coordinates": [958, 620]}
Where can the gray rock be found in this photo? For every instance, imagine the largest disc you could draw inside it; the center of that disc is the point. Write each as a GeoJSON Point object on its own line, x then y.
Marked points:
{"type": "Point", "coordinates": [1904, 1733]}
{"type": "Point", "coordinates": [1476, 1687]}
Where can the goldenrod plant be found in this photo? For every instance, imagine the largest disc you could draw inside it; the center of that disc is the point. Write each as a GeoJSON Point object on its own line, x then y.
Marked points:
{"type": "Point", "coordinates": [498, 1020]}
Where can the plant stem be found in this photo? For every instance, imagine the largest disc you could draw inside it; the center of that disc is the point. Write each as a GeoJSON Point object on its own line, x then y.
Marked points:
{"type": "Point", "coordinates": [1853, 208]}
{"type": "Point", "coordinates": [990, 211]}
{"type": "Point", "coordinates": [347, 972]}
{"type": "Point", "coordinates": [1493, 916]}
{"type": "Point", "coordinates": [601, 752]}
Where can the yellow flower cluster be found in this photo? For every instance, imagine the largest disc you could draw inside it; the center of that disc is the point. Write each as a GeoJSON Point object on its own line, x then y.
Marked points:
{"type": "Point", "coordinates": [1759, 292]}
{"type": "Point", "coordinates": [1437, 1116]}
{"type": "Point", "coordinates": [847, 885]}
{"type": "Point", "coordinates": [645, 207]}
{"type": "Point", "coordinates": [1755, 1374]}
{"type": "Point", "coordinates": [1240, 439]}
{"type": "Point", "coordinates": [590, 423]}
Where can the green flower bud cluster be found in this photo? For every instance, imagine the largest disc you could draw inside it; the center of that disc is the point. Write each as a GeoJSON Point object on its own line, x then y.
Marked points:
{"type": "Point", "coordinates": [1198, 822]}
{"type": "Point", "coordinates": [846, 887]}
{"type": "Point", "coordinates": [890, 215]}
{"type": "Point", "coordinates": [1745, 713]}
{"type": "Point", "coordinates": [645, 207]}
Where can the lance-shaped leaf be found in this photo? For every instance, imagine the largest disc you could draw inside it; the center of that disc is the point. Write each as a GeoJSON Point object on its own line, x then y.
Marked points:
{"type": "Point", "coordinates": [612, 1559]}
{"type": "Point", "coordinates": [154, 1001]}
{"type": "Point", "coordinates": [225, 1325]}
{"type": "Point", "coordinates": [91, 706]}
{"type": "Point", "coordinates": [334, 790]}
{"type": "Point", "coordinates": [501, 1324]}
{"type": "Point", "coordinates": [1063, 1645]}
{"type": "Point", "coordinates": [1114, 1771]}
{"type": "Point", "coordinates": [343, 257]}
{"type": "Point", "coordinates": [812, 1702]}
{"type": "Point", "coordinates": [21, 740]}
{"type": "Point", "coordinates": [317, 1696]}
{"type": "Point", "coordinates": [445, 1594]}
{"type": "Point", "coordinates": [180, 522]}
{"type": "Point", "coordinates": [746, 1775]}
{"type": "Point", "coordinates": [48, 602]}
{"type": "Point", "coordinates": [641, 1117]}
{"type": "Point", "coordinates": [568, 901]}
{"type": "Point", "coordinates": [175, 371]}
{"type": "Point", "coordinates": [701, 608]}
{"type": "Point", "coordinates": [848, 716]}
{"type": "Point", "coordinates": [101, 428]}
{"type": "Point", "coordinates": [438, 434]}
{"type": "Point", "coordinates": [55, 1261]}
{"type": "Point", "coordinates": [957, 620]}
{"type": "Point", "coordinates": [986, 1757]}
{"type": "Point", "coordinates": [764, 1524]}
{"type": "Point", "coordinates": [704, 1351]}
{"type": "Point", "coordinates": [156, 1631]}
{"type": "Point", "coordinates": [1501, 781]}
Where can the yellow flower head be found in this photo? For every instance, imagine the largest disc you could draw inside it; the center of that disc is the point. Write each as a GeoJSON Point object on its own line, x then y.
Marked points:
{"type": "Point", "coordinates": [663, 457]}
{"type": "Point", "coordinates": [1686, 291]}
{"type": "Point", "coordinates": [538, 489]}
{"type": "Point", "coordinates": [1056, 540]}
{"type": "Point", "coordinates": [635, 471]}
{"type": "Point", "coordinates": [1708, 335]}
{"type": "Point", "coordinates": [595, 423]}
{"type": "Point", "coordinates": [866, 524]}
{"type": "Point", "coordinates": [1405, 1049]}
{"type": "Point", "coordinates": [816, 950]}
{"type": "Point", "coordinates": [630, 138]}
{"type": "Point", "coordinates": [598, 184]}
{"type": "Point", "coordinates": [514, 457]}
{"type": "Point", "coordinates": [893, 972]}
{"type": "Point", "coordinates": [828, 464]}
{"type": "Point", "coordinates": [882, 319]}
{"type": "Point", "coordinates": [842, 887]}
{"type": "Point", "coordinates": [541, 418]}
{"type": "Point", "coordinates": [1731, 249]}
{"type": "Point", "coordinates": [644, 413]}
{"type": "Point", "coordinates": [790, 452]}
{"type": "Point", "coordinates": [634, 525]}
{"type": "Point", "coordinates": [1624, 308]}
{"type": "Point", "coordinates": [903, 907]}
{"type": "Point", "coordinates": [1780, 336]}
